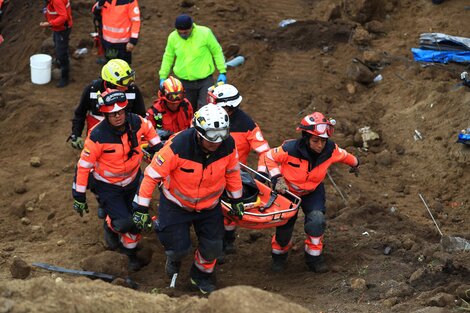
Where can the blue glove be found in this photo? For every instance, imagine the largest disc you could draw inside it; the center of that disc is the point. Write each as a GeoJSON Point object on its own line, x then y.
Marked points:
{"type": "Point", "coordinates": [222, 78]}
{"type": "Point", "coordinates": [162, 80]}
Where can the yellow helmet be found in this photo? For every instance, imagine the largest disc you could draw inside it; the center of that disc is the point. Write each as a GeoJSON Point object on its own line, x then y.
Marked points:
{"type": "Point", "coordinates": [118, 72]}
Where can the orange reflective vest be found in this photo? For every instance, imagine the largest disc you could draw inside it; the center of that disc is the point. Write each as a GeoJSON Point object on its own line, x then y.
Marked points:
{"type": "Point", "coordinates": [304, 171]}
{"type": "Point", "coordinates": [108, 152]}
{"type": "Point", "coordinates": [192, 179]}
{"type": "Point", "coordinates": [248, 136]}
{"type": "Point", "coordinates": [121, 21]}
{"type": "Point", "coordinates": [59, 14]}
{"type": "Point", "coordinates": [171, 121]}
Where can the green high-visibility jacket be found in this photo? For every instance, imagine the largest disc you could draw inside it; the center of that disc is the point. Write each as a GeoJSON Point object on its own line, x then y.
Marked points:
{"type": "Point", "coordinates": [194, 57]}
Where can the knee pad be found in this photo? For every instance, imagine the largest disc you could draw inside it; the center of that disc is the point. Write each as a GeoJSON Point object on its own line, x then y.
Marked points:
{"type": "Point", "coordinates": [210, 249]}
{"type": "Point", "coordinates": [123, 225]}
{"type": "Point", "coordinates": [315, 223]}
{"type": "Point", "coordinates": [177, 256]}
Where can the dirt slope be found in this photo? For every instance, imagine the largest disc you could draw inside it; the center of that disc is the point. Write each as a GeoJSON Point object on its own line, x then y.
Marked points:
{"type": "Point", "coordinates": [381, 245]}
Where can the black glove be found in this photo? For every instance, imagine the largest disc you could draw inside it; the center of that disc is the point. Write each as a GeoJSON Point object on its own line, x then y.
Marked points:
{"type": "Point", "coordinates": [79, 203]}
{"type": "Point", "coordinates": [142, 219]}
{"type": "Point", "coordinates": [237, 209]}
{"type": "Point", "coordinates": [355, 170]}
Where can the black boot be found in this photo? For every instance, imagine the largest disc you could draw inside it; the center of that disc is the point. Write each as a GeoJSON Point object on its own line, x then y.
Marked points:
{"type": "Point", "coordinates": [111, 238]}
{"type": "Point", "coordinates": [101, 213]}
{"type": "Point", "coordinates": [229, 242]}
{"type": "Point", "coordinates": [135, 263]}
{"type": "Point", "coordinates": [279, 262]}
{"type": "Point", "coordinates": [316, 263]}
{"type": "Point", "coordinates": [203, 281]}
{"type": "Point", "coordinates": [172, 267]}
{"type": "Point", "coordinates": [64, 79]}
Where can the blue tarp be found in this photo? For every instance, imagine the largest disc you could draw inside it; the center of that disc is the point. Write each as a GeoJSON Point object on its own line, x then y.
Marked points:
{"type": "Point", "coordinates": [426, 55]}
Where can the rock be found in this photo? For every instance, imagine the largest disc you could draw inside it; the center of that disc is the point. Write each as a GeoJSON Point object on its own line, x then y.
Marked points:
{"type": "Point", "coordinates": [371, 57]}
{"type": "Point", "coordinates": [35, 161]}
{"type": "Point", "coordinates": [47, 46]}
{"type": "Point", "coordinates": [375, 27]}
{"type": "Point", "coordinates": [399, 290]}
{"type": "Point", "coordinates": [61, 242]}
{"type": "Point", "coordinates": [441, 300]}
{"type": "Point", "coordinates": [407, 244]}
{"type": "Point", "coordinates": [25, 221]}
{"type": "Point", "coordinates": [17, 209]}
{"type": "Point", "coordinates": [20, 188]}
{"type": "Point", "coordinates": [417, 276]}
{"type": "Point", "coordinates": [19, 268]}
{"type": "Point", "coordinates": [361, 37]}
{"type": "Point", "coordinates": [351, 88]}
{"type": "Point", "coordinates": [360, 73]}
{"type": "Point", "coordinates": [384, 158]}
{"type": "Point", "coordinates": [358, 284]}
{"type": "Point", "coordinates": [390, 302]}
{"type": "Point", "coordinates": [399, 149]}
{"type": "Point", "coordinates": [6, 305]}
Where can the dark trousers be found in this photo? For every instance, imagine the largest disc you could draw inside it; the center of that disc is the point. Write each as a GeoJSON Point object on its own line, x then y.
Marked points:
{"type": "Point", "coordinates": [116, 51]}
{"type": "Point", "coordinates": [196, 91]}
{"type": "Point", "coordinates": [117, 202]}
{"type": "Point", "coordinates": [173, 230]}
{"type": "Point", "coordinates": [61, 45]}
{"type": "Point", "coordinates": [314, 201]}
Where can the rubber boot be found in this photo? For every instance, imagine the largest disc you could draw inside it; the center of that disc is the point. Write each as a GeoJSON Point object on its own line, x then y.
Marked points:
{"type": "Point", "coordinates": [229, 242]}
{"type": "Point", "coordinates": [172, 267]}
{"type": "Point", "coordinates": [279, 262]}
{"type": "Point", "coordinates": [111, 238]}
{"type": "Point", "coordinates": [64, 78]}
{"type": "Point", "coordinates": [135, 263]}
{"type": "Point", "coordinates": [204, 282]}
{"type": "Point", "coordinates": [316, 263]}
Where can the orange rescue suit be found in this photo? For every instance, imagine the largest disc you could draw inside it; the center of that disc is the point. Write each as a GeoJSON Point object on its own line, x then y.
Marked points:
{"type": "Point", "coordinates": [301, 172]}
{"type": "Point", "coordinates": [171, 121]}
{"type": "Point", "coordinates": [121, 21]}
{"type": "Point", "coordinates": [192, 179]}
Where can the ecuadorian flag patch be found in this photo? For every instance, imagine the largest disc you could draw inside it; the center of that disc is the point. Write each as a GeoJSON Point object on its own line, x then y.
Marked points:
{"type": "Point", "coordinates": [160, 160]}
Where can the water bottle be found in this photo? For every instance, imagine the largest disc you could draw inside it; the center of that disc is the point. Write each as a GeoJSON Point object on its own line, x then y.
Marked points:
{"type": "Point", "coordinates": [239, 60]}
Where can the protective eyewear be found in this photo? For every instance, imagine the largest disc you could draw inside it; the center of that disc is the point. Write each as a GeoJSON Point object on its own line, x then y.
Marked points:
{"type": "Point", "coordinates": [117, 113]}
{"type": "Point", "coordinates": [320, 129]}
{"type": "Point", "coordinates": [127, 80]}
{"type": "Point", "coordinates": [174, 97]}
{"type": "Point", "coordinates": [114, 98]}
{"type": "Point", "coordinates": [213, 135]}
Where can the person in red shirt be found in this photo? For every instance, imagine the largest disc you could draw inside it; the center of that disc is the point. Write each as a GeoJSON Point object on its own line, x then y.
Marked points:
{"type": "Point", "coordinates": [171, 112]}
{"type": "Point", "coordinates": [112, 156]}
{"type": "Point", "coordinates": [59, 18]}
{"type": "Point", "coordinates": [300, 167]}
{"type": "Point", "coordinates": [192, 170]}
{"type": "Point", "coordinates": [247, 135]}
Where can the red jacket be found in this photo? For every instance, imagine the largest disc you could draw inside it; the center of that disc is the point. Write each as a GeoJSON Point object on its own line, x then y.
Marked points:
{"type": "Point", "coordinates": [172, 122]}
{"type": "Point", "coordinates": [59, 14]}
{"type": "Point", "coordinates": [302, 170]}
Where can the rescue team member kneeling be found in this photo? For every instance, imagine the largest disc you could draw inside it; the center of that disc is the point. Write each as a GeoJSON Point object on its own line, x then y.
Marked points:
{"type": "Point", "coordinates": [112, 154]}
{"type": "Point", "coordinates": [195, 166]}
{"type": "Point", "coordinates": [300, 167]}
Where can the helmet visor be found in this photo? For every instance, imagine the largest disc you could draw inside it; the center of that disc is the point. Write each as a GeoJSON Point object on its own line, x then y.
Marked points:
{"type": "Point", "coordinates": [216, 135]}
{"type": "Point", "coordinates": [319, 129]}
{"type": "Point", "coordinates": [174, 97]}
{"type": "Point", "coordinates": [127, 80]}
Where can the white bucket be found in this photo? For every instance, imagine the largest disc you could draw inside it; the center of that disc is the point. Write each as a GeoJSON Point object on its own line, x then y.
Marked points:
{"type": "Point", "coordinates": [40, 68]}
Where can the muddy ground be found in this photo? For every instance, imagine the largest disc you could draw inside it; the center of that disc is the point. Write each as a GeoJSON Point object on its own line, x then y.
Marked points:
{"type": "Point", "coordinates": [382, 247]}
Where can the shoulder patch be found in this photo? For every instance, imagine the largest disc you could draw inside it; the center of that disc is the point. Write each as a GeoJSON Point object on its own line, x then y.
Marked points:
{"type": "Point", "coordinates": [86, 152]}
{"type": "Point", "coordinates": [159, 160]}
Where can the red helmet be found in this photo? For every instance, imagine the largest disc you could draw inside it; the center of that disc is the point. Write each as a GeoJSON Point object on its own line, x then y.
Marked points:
{"type": "Point", "coordinates": [172, 91]}
{"type": "Point", "coordinates": [112, 100]}
{"type": "Point", "coordinates": [317, 124]}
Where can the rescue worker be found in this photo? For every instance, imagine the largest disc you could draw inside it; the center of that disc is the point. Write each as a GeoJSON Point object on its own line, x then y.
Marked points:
{"type": "Point", "coordinates": [191, 51]}
{"type": "Point", "coordinates": [120, 27]}
{"type": "Point", "coordinates": [112, 155]}
{"type": "Point", "coordinates": [300, 167]}
{"type": "Point", "coordinates": [171, 112]}
{"type": "Point", "coordinates": [59, 19]}
{"type": "Point", "coordinates": [194, 167]}
{"type": "Point", "coordinates": [247, 136]}
{"type": "Point", "coordinates": [116, 74]}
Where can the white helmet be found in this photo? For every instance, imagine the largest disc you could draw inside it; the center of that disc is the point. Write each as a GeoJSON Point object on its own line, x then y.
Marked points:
{"type": "Point", "coordinates": [212, 123]}
{"type": "Point", "coordinates": [225, 95]}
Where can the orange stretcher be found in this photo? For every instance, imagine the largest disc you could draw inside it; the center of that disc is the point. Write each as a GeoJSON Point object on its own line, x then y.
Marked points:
{"type": "Point", "coordinates": [264, 208]}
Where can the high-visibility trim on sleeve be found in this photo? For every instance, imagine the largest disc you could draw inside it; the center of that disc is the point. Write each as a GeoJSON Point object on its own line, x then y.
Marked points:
{"type": "Point", "coordinates": [152, 173]}
{"type": "Point", "coordinates": [235, 194]}
{"type": "Point", "coordinates": [262, 148]}
{"type": "Point", "coordinates": [155, 140]}
{"type": "Point", "coordinates": [85, 164]}
{"type": "Point", "coordinates": [274, 172]}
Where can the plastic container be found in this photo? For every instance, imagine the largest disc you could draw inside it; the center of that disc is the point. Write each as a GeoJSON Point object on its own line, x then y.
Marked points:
{"type": "Point", "coordinates": [40, 68]}
{"type": "Point", "coordinates": [239, 60]}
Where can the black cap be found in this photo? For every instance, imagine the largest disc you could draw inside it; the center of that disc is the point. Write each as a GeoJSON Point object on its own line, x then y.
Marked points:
{"type": "Point", "coordinates": [183, 22]}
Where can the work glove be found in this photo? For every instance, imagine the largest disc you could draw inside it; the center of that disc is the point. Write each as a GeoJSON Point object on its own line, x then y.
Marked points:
{"type": "Point", "coordinates": [355, 170]}
{"type": "Point", "coordinates": [162, 80]}
{"type": "Point", "coordinates": [279, 184]}
{"type": "Point", "coordinates": [237, 209]}
{"type": "Point", "coordinates": [142, 219]}
{"type": "Point", "coordinates": [222, 78]}
{"type": "Point", "coordinates": [80, 207]}
{"type": "Point", "coordinates": [76, 142]}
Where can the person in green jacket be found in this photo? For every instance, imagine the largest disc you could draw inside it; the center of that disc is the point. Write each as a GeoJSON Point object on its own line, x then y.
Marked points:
{"type": "Point", "coordinates": [193, 53]}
